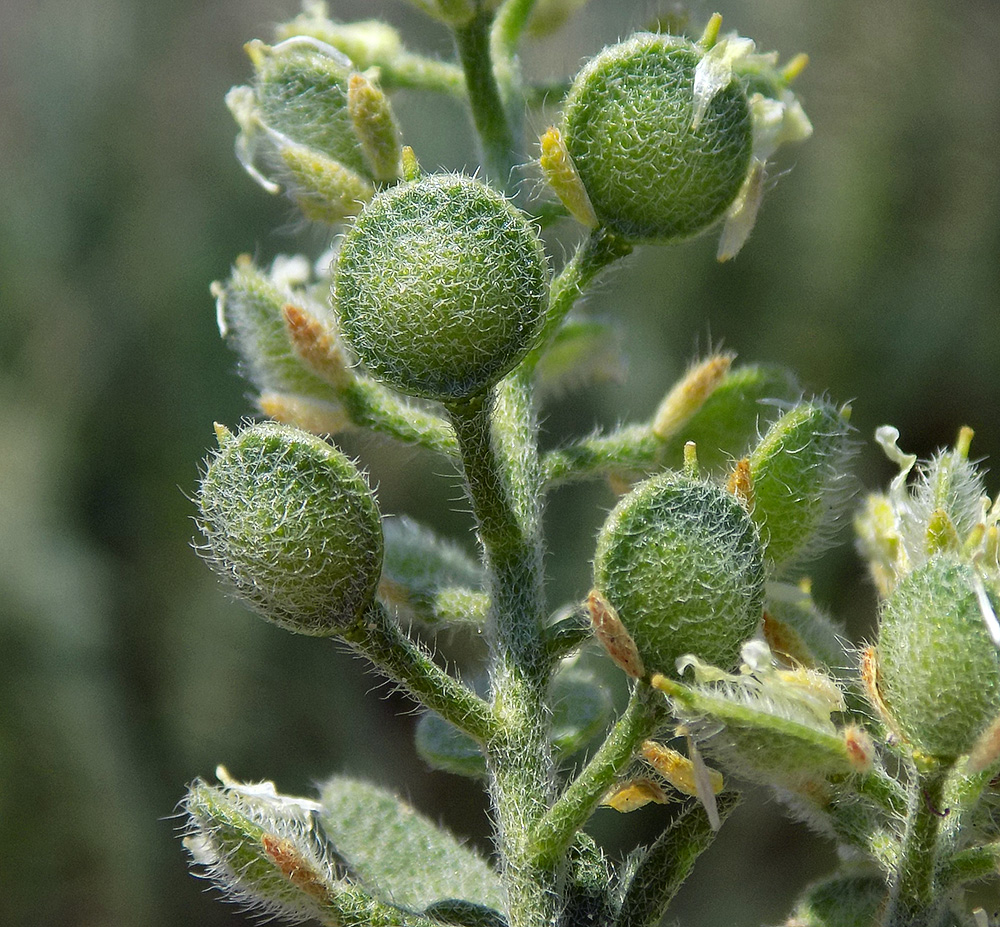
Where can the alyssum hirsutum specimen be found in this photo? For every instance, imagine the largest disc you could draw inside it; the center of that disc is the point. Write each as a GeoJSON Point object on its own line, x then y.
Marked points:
{"type": "Point", "coordinates": [437, 321]}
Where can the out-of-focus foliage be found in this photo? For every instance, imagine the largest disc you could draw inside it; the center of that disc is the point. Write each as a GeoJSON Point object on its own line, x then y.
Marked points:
{"type": "Point", "coordinates": [872, 272]}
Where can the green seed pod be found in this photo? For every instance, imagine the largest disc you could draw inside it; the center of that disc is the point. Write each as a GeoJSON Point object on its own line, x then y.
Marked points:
{"type": "Point", "coordinates": [798, 472]}
{"type": "Point", "coordinates": [655, 170]}
{"type": "Point", "coordinates": [292, 524]}
{"type": "Point", "coordinates": [440, 287]}
{"type": "Point", "coordinates": [938, 670]}
{"type": "Point", "coordinates": [681, 562]}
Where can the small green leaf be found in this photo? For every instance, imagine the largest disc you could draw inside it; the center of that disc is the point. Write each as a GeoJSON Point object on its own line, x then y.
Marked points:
{"type": "Point", "coordinates": [429, 578]}
{"type": "Point", "coordinates": [844, 900]}
{"type": "Point", "coordinates": [581, 708]}
{"type": "Point", "coordinates": [821, 640]}
{"type": "Point", "coordinates": [724, 426]}
{"type": "Point", "coordinates": [443, 746]}
{"type": "Point", "coordinates": [400, 852]}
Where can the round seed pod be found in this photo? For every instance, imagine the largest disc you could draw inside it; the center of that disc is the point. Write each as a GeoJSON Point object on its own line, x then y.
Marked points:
{"type": "Point", "coordinates": [938, 670]}
{"type": "Point", "coordinates": [441, 287]}
{"type": "Point", "coordinates": [681, 562]}
{"type": "Point", "coordinates": [653, 172]}
{"type": "Point", "coordinates": [290, 522]}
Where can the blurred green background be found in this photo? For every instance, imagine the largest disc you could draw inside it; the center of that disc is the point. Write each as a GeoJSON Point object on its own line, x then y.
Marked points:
{"type": "Point", "coordinates": [124, 670]}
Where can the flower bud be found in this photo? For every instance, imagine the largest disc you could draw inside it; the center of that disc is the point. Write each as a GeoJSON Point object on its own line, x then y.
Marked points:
{"type": "Point", "coordinates": [653, 171]}
{"type": "Point", "coordinates": [266, 851]}
{"type": "Point", "coordinates": [938, 672]}
{"type": "Point", "coordinates": [440, 287]}
{"type": "Point", "coordinates": [798, 472]}
{"type": "Point", "coordinates": [299, 131]}
{"type": "Point", "coordinates": [250, 308]}
{"type": "Point", "coordinates": [681, 562]}
{"type": "Point", "coordinates": [368, 43]}
{"type": "Point", "coordinates": [292, 524]}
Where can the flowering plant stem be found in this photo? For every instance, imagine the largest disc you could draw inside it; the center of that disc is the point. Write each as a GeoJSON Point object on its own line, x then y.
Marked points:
{"type": "Point", "coordinates": [496, 442]}
{"type": "Point", "coordinates": [485, 99]}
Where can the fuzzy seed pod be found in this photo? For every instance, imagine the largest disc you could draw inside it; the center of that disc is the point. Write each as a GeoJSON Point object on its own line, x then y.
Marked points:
{"type": "Point", "coordinates": [292, 524]}
{"type": "Point", "coordinates": [938, 670]}
{"type": "Point", "coordinates": [681, 562]}
{"type": "Point", "coordinates": [654, 168]}
{"type": "Point", "coordinates": [441, 287]}
{"type": "Point", "coordinates": [798, 472]}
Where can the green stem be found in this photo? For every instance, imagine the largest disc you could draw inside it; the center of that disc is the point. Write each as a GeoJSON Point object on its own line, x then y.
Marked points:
{"type": "Point", "coordinates": [632, 449]}
{"type": "Point", "coordinates": [370, 405]}
{"type": "Point", "coordinates": [668, 862]}
{"type": "Point", "coordinates": [556, 830]}
{"type": "Point", "coordinates": [913, 901]}
{"type": "Point", "coordinates": [419, 73]}
{"type": "Point", "coordinates": [488, 111]}
{"type": "Point", "coordinates": [599, 250]}
{"type": "Point", "coordinates": [498, 448]}
{"type": "Point", "coordinates": [505, 37]}
{"type": "Point", "coordinates": [378, 638]}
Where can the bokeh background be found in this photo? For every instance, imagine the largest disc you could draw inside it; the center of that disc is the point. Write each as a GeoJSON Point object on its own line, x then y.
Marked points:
{"type": "Point", "coordinates": [124, 670]}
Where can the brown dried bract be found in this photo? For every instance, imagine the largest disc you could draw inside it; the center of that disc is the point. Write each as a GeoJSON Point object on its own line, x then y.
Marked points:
{"type": "Point", "coordinates": [316, 345]}
{"type": "Point", "coordinates": [614, 636]}
{"type": "Point", "coordinates": [740, 483]}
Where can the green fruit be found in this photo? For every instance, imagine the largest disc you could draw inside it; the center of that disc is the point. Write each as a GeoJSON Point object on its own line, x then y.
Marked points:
{"type": "Point", "coordinates": [681, 562]}
{"type": "Point", "coordinates": [938, 670]}
{"type": "Point", "coordinates": [292, 524]}
{"type": "Point", "coordinates": [629, 125]}
{"type": "Point", "coordinates": [441, 287]}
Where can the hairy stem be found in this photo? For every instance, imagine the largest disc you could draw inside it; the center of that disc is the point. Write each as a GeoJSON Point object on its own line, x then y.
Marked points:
{"type": "Point", "coordinates": [555, 831]}
{"type": "Point", "coordinates": [371, 405]}
{"type": "Point", "coordinates": [378, 638]}
{"type": "Point", "coordinates": [497, 440]}
{"type": "Point", "coordinates": [420, 73]}
{"type": "Point", "coordinates": [508, 28]}
{"type": "Point", "coordinates": [913, 901]}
